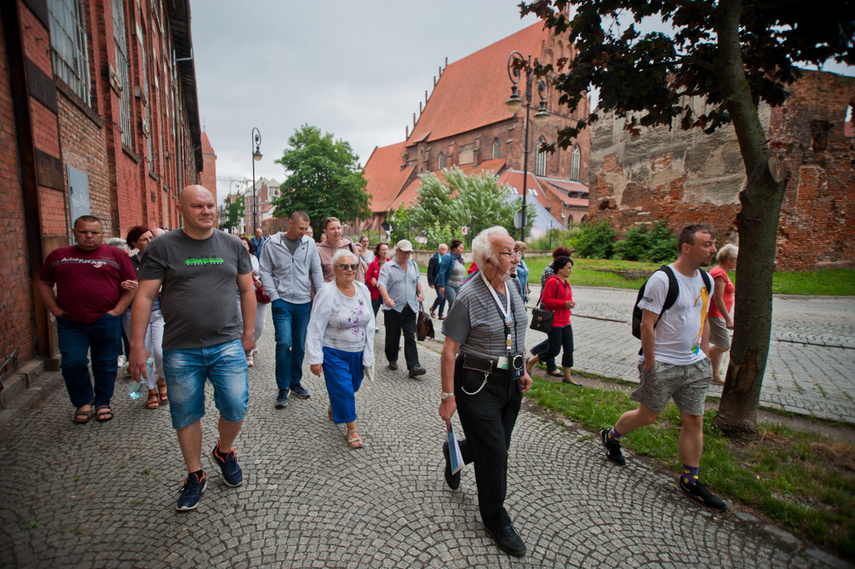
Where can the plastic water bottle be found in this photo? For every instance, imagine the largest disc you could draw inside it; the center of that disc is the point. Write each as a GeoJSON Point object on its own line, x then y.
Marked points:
{"type": "Point", "coordinates": [138, 388]}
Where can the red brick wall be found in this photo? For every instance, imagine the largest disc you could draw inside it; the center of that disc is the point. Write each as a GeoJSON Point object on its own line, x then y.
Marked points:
{"type": "Point", "coordinates": [17, 325]}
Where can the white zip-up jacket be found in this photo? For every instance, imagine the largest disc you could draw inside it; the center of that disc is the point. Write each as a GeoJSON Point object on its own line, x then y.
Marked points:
{"type": "Point", "coordinates": [287, 276]}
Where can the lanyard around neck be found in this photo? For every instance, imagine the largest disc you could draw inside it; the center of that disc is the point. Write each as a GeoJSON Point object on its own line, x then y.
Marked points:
{"type": "Point", "coordinates": [504, 310]}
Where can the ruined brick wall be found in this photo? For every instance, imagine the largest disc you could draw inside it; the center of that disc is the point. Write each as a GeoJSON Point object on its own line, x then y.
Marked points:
{"type": "Point", "coordinates": [689, 177]}
{"type": "Point", "coordinates": [816, 228]}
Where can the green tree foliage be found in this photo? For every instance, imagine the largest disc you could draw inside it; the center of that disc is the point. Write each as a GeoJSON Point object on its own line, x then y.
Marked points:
{"type": "Point", "coordinates": [721, 60]}
{"type": "Point", "coordinates": [595, 240]}
{"type": "Point", "coordinates": [234, 211]}
{"type": "Point", "coordinates": [455, 200]}
{"type": "Point", "coordinates": [324, 179]}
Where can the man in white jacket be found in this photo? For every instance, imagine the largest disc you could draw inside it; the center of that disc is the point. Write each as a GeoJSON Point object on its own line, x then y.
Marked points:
{"type": "Point", "coordinates": [289, 265]}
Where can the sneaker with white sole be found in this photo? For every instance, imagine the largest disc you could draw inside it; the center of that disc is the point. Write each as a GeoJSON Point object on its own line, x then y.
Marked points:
{"type": "Point", "coordinates": [191, 492]}
{"type": "Point", "coordinates": [613, 452]}
{"type": "Point", "coordinates": [232, 473]}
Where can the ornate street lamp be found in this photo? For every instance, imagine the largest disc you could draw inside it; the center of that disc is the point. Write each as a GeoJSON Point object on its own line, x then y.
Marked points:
{"type": "Point", "coordinates": [516, 65]}
{"type": "Point", "coordinates": [256, 156]}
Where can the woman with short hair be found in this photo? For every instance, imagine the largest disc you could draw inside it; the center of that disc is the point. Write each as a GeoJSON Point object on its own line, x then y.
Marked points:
{"type": "Point", "coordinates": [340, 340]}
{"type": "Point", "coordinates": [558, 297]}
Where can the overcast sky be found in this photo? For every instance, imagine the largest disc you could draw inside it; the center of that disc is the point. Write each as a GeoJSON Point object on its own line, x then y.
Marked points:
{"type": "Point", "coordinates": [357, 69]}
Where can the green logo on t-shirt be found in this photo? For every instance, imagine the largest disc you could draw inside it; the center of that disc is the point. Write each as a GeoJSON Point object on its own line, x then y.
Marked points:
{"type": "Point", "coordinates": [204, 261]}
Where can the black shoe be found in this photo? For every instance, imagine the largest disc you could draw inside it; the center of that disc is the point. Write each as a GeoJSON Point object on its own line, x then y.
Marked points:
{"type": "Point", "coordinates": [613, 452]}
{"type": "Point", "coordinates": [417, 371]}
{"type": "Point", "coordinates": [282, 399]}
{"type": "Point", "coordinates": [393, 365]}
{"type": "Point", "coordinates": [232, 473]}
{"type": "Point", "coordinates": [453, 480]}
{"type": "Point", "coordinates": [700, 494]}
{"type": "Point", "coordinates": [506, 537]}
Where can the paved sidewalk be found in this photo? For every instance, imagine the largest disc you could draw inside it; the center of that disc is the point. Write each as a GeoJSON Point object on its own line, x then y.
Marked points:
{"type": "Point", "coordinates": [103, 495]}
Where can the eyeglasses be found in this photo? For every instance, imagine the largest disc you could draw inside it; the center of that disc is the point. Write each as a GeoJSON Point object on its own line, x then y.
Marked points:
{"type": "Point", "coordinates": [510, 254]}
{"type": "Point", "coordinates": [346, 267]}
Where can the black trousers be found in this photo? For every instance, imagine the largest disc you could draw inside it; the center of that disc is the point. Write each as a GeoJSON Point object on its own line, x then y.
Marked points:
{"type": "Point", "coordinates": [488, 419]}
{"type": "Point", "coordinates": [396, 322]}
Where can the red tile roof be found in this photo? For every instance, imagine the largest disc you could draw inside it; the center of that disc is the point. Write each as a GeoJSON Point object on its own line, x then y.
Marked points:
{"type": "Point", "coordinates": [514, 179]}
{"type": "Point", "coordinates": [385, 176]}
{"type": "Point", "coordinates": [207, 149]}
{"type": "Point", "coordinates": [408, 196]}
{"type": "Point", "coordinates": [471, 93]}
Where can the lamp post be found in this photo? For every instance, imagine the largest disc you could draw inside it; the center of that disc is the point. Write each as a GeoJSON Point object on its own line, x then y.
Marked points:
{"type": "Point", "coordinates": [516, 65]}
{"type": "Point", "coordinates": [256, 156]}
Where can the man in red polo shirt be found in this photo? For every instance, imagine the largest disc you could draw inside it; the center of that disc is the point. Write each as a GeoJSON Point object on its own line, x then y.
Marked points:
{"type": "Point", "coordinates": [88, 305]}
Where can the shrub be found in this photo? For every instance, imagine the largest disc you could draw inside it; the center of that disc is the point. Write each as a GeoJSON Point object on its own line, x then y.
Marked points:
{"type": "Point", "coordinates": [595, 240]}
{"type": "Point", "coordinates": [635, 244]}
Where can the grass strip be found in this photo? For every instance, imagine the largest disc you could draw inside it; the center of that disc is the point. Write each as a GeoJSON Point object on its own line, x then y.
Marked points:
{"type": "Point", "coordinates": [804, 481]}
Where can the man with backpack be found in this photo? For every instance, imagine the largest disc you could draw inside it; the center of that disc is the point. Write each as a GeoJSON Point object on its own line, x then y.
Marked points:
{"type": "Point", "coordinates": [674, 360]}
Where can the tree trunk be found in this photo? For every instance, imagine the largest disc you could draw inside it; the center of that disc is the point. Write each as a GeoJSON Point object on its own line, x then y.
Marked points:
{"type": "Point", "coordinates": [757, 224]}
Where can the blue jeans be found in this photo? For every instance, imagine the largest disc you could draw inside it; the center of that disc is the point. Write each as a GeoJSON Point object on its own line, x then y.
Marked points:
{"type": "Point", "coordinates": [291, 322]}
{"type": "Point", "coordinates": [439, 302]}
{"type": "Point", "coordinates": [559, 337]}
{"type": "Point", "coordinates": [103, 339]}
{"type": "Point", "coordinates": [550, 362]}
{"type": "Point", "coordinates": [186, 371]}
{"type": "Point", "coordinates": [450, 294]}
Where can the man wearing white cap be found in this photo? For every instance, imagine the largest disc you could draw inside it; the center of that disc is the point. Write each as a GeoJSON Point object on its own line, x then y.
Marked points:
{"type": "Point", "coordinates": [401, 292]}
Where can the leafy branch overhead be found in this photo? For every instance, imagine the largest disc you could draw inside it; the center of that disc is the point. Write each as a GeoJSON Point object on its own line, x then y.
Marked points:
{"type": "Point", "coordinates": [324, 178]}
{"type": "Point", "coordinates": [651, 77]}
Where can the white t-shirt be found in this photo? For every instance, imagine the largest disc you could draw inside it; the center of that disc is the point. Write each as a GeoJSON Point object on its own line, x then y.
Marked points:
{"type": "Point", "coordinates": [679, 331]}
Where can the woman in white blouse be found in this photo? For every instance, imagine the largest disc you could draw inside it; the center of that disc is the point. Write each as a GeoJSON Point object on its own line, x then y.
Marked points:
{"type": "Point", "coordinates": [340, 340]}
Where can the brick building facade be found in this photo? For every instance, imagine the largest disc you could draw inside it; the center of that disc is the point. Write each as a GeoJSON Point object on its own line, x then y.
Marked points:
{"type": "Point", "coordinates": [687, 176]}
{"type": "Point", "coordinates": [464, 123]}
{"type": "Point", "coordinates": [98, 115]}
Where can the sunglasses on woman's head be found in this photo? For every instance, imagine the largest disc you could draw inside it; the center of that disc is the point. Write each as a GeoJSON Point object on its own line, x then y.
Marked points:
{"type": "Point", "coordinates": [345, 266]}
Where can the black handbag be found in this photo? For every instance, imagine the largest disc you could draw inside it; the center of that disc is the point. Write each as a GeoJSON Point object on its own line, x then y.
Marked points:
{"type": "Point", "coordinates": [541, 319]}
{"type": "Point", "coordinates": [424, 325]}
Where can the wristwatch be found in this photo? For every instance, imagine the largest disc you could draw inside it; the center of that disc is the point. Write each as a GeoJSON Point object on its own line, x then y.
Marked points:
{"type": "Point", "coordinates": [447, 395]}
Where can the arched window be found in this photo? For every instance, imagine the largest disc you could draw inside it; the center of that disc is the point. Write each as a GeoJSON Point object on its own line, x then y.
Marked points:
{"type": "Point", "coordinates": [540, 160]}
{"type": "Point", "coordinates": [441, 160]}
{"type": "Point", "coordinates": [575, 160]}
{"type": "Point", "coordinates": [496, 147]}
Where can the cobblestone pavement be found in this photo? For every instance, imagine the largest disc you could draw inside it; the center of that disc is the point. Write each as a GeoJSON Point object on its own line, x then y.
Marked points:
{"type": "Point", "coordinates": [103, 495]}
{"type": "Point", "coordinates": [811, 366]}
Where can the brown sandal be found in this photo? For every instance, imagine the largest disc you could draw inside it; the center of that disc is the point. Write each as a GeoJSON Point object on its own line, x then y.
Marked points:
{"type": "Point", "coordinates": [152, 403]}
{"type": "Point", "coordinates": [82, 417]}
{"type": "Point", "coordinates": [161, 389]}
{"type": "Point", "coordinates": [353, 439]}
{"type": "Point", "coordinates": [103, 414]}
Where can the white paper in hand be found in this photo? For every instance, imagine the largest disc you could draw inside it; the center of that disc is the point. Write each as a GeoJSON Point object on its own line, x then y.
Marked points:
{"type": "Point", "coordinates": [454, 452]}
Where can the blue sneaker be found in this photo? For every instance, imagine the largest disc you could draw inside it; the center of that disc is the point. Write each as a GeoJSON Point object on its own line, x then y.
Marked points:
{"type": "Point", "coordinates": [194, 485]}
{"type": "Point", "coordinates": [299, 391]}
{"type": "Point", "coordinates": [232, 473]}
{"type": "Point", "coordinates": [282, 399]}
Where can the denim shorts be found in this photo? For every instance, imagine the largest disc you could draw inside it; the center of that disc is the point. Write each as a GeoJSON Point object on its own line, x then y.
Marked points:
{"type": "Point", "coordinates": [186, 370]}
{"type": "Point", "coordinates": [687, 384]}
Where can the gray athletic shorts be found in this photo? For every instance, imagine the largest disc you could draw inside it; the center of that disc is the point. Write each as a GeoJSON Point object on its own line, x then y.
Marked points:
{"type": "Point", "coordinates": [719, 334]}
{"type": "Point", "coordinates": [687, 385]}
